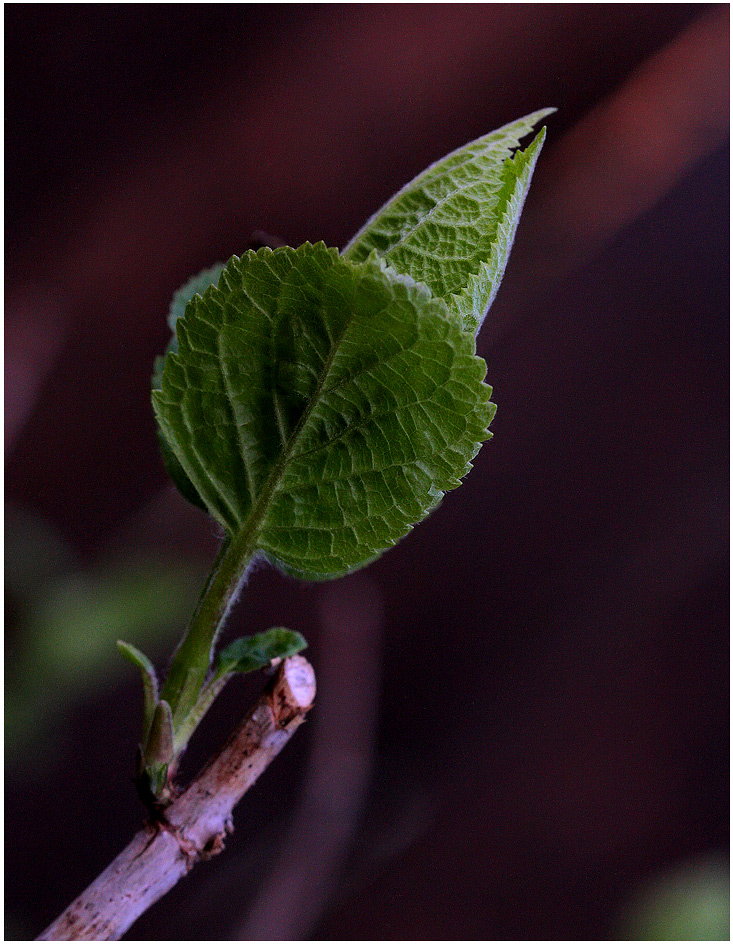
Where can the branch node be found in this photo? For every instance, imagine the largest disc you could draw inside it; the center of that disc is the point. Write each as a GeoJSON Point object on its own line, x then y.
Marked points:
{"type": "Point", "coordinates": [195, 825]}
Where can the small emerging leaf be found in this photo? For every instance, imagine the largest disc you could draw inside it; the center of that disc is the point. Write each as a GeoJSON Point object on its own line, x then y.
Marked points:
{"type": "Point", "coordinates": [452, 227]}
{"type": "Point", "coordinates": [149, 679]}
{"type": "Point", "coordinates": [158, 749]}
{"type": "Point", "coordinates": [158, 753]}
{"type": "Point", "coordinates": [250, 653]}
{"type": "Point", "coordinates": [157, 778]}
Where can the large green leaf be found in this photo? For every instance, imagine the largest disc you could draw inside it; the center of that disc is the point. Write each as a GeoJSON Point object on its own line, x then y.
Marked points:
{"type": "Point", "coordinates": [322, 405]}
{"type": "Point", "coordinates": [452, 227]}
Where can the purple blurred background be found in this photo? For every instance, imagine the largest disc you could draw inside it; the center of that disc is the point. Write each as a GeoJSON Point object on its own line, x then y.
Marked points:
{"type": "Point", "coordinates": [522, 714]}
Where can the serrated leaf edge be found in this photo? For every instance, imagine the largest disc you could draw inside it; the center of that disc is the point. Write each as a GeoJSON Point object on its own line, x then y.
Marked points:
{"type": "Point", "coordinates": [511, 199]}
{"type": "Point", "coordinates": [478, 283]}
{"type": "Point", "coordinates": [531, 119]}
{"type": "Point", "coordinates": [259, 508]}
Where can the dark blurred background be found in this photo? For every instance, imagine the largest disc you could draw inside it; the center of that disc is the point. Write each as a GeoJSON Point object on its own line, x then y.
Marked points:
{"type": "Point", "coordinates": [522, 727]}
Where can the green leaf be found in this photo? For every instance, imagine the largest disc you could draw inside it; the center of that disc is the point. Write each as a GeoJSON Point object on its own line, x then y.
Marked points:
{"type": "Point", "coordinates": [320, 407]}
{"type": "Point", "coordinates": [244, 655]}
{"type": "Point", "coordinates": [158, 748]}
{"type": "Point", "coordinates": [195, 286]}
{"type": "Point", "coordinates": [158, 753]}
{"type": "Point", "coordinates": [250, 653]}
{"type": "Point", "coordinates": [157, 786]}
{"type": "Point", "coordinates": [452, 227]}
{"type": "Point", "coordinates": [149, 679]}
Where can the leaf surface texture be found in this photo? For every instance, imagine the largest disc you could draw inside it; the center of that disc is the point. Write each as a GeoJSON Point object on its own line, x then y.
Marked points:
{"type": "Point", "coordinates": [320, 404]}
{"type": "Point", "coordinates": [196, 285]}
{"type": "Point", "coordinates": [452, 227]}
{"type": "Point", "coordinates": [246, 654]}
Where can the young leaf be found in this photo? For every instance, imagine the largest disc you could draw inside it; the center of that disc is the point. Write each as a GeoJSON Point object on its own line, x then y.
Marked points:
{"type": "Point", "coordinates": [320, 407]}
{"type": "Point", "coordinates": [452, 227]}
{"type": "Point", "coordinates": [158, 748]}
{"type": "Point", "coordinates": [149, 678]}
{"type": "Point", "coordinates": [242, 656]}
{"type": "Point", "coordinates": [195, 286]}
{"type": "Point", "coordinates": [158, 753]}
{"type": "Point", "coordinates": [250, 653]}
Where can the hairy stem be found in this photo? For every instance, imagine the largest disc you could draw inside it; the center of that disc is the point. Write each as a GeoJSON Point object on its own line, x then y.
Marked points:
{"type": "Point", "coordinates": [192, 659]}
{"type": "Point", "coordinates": [196, 824]}
{"type": "Point", "coordinates": [205, 700]}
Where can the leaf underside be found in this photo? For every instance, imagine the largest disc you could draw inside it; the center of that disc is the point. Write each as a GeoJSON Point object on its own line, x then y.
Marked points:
{"type": "Point", "coordinates": [323, 405]}
{"type": "Point", "coordinates": [452, 227]}
{"type": "Point", "coordinates": [195, 286]}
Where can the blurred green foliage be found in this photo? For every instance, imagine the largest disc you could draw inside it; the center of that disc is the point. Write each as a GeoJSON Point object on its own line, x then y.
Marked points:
{"type": "Point", "coordinates": [691, 903]}
{"type": "Point", "coordinates": [65, 621]}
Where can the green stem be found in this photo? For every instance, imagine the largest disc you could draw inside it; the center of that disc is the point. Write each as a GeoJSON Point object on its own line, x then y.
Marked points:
{"type": "Point", "coordinates": [206, 697]}
{"type": "Point", "coordinates": [192, 659]}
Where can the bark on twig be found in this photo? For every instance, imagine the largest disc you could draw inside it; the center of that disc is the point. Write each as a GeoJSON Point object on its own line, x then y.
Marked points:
{"type": "Point", "coordinates": [196, 823]}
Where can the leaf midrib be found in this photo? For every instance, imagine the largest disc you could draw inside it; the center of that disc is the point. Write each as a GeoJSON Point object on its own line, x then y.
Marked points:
{"type": "Point", "coordinates": [250, 530]}
{"type": "Point", "coordinates": [501, 209]}
{"type": "Point", "coordinates": [501, 135]}
{"type": "Point", "coordinates": [434, 209]}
